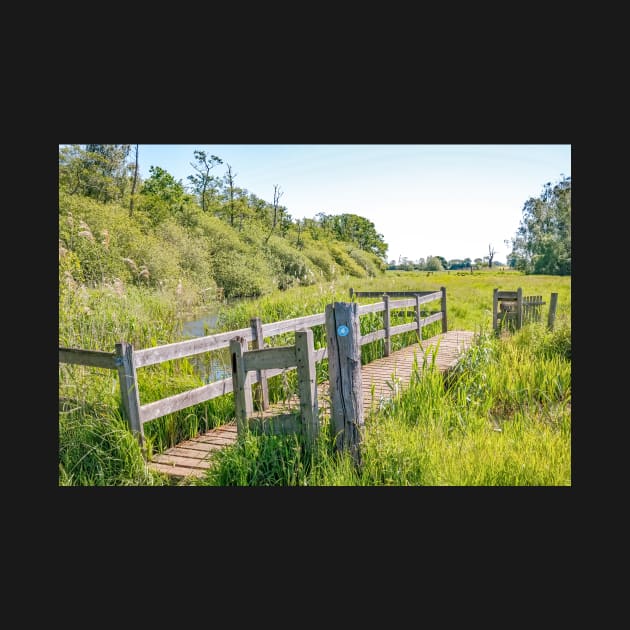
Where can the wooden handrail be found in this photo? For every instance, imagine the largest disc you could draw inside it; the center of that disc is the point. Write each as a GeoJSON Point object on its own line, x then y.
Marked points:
{"type": "Point", "coordinates": [127, 360]}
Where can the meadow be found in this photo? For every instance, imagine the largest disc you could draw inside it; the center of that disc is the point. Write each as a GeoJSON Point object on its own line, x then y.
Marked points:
{"type": "Point", "coordinates": [502, 418]}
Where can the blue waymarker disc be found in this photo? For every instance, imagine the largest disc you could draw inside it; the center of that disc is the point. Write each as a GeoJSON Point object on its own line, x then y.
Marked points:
{"type": "Point", "coordinates": [342, 331]}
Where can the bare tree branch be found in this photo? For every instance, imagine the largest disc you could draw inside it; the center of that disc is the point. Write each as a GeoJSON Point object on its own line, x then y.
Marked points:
{"type": "Point", "coordinates": [276, 198]}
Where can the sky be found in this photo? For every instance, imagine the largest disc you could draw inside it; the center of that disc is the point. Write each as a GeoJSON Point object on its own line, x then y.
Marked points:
{"type": "Point", "coordinates": [454, 201]}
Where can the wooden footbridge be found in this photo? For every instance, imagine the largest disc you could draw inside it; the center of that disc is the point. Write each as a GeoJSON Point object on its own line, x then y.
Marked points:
{"type": "Point", "coordinates": [357, 390]}
{"type": "Point", "coordinates": [382, 379]}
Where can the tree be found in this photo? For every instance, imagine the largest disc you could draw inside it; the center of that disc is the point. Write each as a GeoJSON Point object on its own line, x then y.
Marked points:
{"type": "Point", "coordinates": [276, 197]}
{"type": "Point", "coordinates": [162, 194]}
{"type": "Point", "coordinates": [235, 199]}
{"type": "Point", "coordinates": [542, 244]}
{"type": "Point", "coordinates": [133, 186]}
{"type": "Point", "coordinates": [355, 229]}
{"type": "Point", "coordinates": [299, 226]}
{"type": "Point", "coordinates": [434, 264]}
{"type": "Point", "coordinates": [203, 183]}
{"type": "Point", "coordinates": [95, 170]}
{"type": "Point", "coordinates": [259, 208]}
{"type": "Point", "coordinates": [491, 254]}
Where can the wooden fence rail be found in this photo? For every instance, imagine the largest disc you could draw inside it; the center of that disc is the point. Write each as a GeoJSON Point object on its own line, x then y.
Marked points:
{"type": "Point", "coordinates": [258, 364]}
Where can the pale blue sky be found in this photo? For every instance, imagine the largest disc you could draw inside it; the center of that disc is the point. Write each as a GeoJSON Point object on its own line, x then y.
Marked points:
{"type": "Point", "coordinates": [426, 200]}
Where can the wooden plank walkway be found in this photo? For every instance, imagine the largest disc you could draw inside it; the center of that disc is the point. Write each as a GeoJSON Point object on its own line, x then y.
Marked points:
{"type": "Point", "coordinates": [382, 379]}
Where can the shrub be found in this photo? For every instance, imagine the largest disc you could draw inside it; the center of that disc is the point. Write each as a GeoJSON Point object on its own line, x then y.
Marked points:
{"type": "Point", "coordinates": [341, 257]}
{"type": "Point", "coordinates": [290, 265]}
{"type": "Point", "coordinates": [321, 259]}
{"type": "Point", "coordinates": [240, 275]}
{"type": "Point", "coordinates": [371, 263]}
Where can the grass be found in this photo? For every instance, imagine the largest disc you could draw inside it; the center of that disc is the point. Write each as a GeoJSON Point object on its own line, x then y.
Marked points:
{"type": "Point", "coordinates": [502, 418]}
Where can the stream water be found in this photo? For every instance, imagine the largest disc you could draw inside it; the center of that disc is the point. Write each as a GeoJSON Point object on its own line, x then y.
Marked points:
{"type": "Point", "coordinates": [211, 366]}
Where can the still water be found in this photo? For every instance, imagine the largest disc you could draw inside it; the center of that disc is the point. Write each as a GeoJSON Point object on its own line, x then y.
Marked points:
{"type": "Point", "coordinates": [211, 366]}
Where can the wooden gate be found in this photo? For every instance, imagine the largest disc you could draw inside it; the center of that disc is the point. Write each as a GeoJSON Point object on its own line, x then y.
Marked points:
{"type": "Point", "coordinates": [511, 309]}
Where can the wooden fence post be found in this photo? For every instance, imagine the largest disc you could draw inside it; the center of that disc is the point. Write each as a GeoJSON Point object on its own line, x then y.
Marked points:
{"type": "Point", "coordinates": [261, 389]}
{"type": "Point", "coordinates": [307, 384]}
{"type": "Point", "coordinates": [241, 384]}
{"type": "Point", "coordinates": [519, 308]}
{"type": "Point", "coordinates": [444, 321]}
{"type": "Point", "coordinates": [351, 294]}
{"type": "Point", "coordinates": [553, 303]}
{"type": "Point", "coordinates": [418, 317]}
{"type": "Point", "coordinates": [495, 304]}
{"type": "Point", "coordinates": [343, 337]}
{"type": "Point", "coordinates": [129, 389]}
{"type": "Point", "coordinates": [386, 326]}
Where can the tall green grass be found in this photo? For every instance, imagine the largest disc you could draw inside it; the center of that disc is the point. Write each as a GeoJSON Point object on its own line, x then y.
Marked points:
{"type": "Point", "coordinates": [502, 418]}
{"type": "Point", "coordinates": [519, 384]}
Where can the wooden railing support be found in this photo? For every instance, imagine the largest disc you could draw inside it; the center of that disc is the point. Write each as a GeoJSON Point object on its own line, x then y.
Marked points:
{"type": "Point", "coordinates": [343, 336]}
{"type": "Point", "coordinates": [129, 389]}
{"type": "Point", "coordinates": [444, 322]}
{"type": "Point", "coordinates": [242, 384]}
{"type": "Point", "coordinates": [418, 318]}
{"type": "Point", "coordinates": [519, 308]}
{"type": "Point", "coordinates": [386, 325]}
{"type": "Point", "coordinates": [261, 389]}
{"type": "Point", "coordinates": [307, 384]}
{"type": "Point", "coordinates": [553, 304]}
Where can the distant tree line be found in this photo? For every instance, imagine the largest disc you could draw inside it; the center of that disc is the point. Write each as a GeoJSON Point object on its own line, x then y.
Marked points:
{"type": "Point", "coordinates": [439, 263]}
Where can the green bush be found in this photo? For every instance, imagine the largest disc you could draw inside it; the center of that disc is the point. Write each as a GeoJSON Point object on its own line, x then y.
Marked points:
{"type": "Point", "coordinates": [240, 275]}
{"type": "Point", "coordinates": [323, 262]}
{"type": "Point", "coordinates": [371, 263]}
{"type": "Point", "coordinates": [347, 264]}
{"type": "Point", "coordinates": [290, 265]}
{"type": "Point", "coordinates": [195, 259]}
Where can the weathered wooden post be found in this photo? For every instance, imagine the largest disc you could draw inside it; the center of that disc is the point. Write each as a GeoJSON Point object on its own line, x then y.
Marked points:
{"type": "Point", "coordinates": [386, 325]}
{"type": "Point", "coordinates": [307, 384]}
{"type": "Point", "coordinates": [343, 337]}
{"type": "Point", "coordinates": [261, 389]}
{"type": "Point", "coordinates": [129, 389]}
{"type": "Point", "coordinates": [444, 322]}
{"type": "Point", "coordinates": [495, 309]}
{"type": "Point", "coordinates": [519, 308]}
{"type": "Point", "coordinates": [241, 384]}
{"type": "Point", "coordinates": [553, 304]}
{"type": "Point", "coordinates": [351, 294]}
{"type": "Point", "coordinates": [418, 317]}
